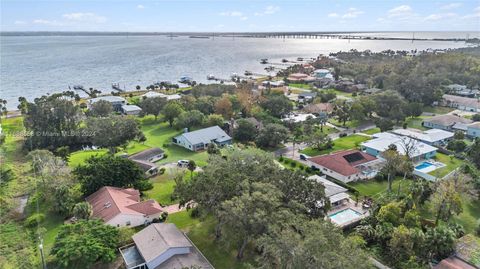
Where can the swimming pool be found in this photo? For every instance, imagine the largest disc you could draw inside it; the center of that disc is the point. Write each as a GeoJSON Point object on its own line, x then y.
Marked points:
{"type": "Point", "coordinates": [423, 165]}
{"type": "Point", "coordinates": [344, 216]}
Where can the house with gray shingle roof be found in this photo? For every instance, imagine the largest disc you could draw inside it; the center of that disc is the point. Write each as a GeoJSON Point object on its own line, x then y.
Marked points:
{"type": "Point", "coordinates": [116, 101]}
{"type": "Point", "coordinates": [447, 122]}
{"type": "Point", "coordinates": [199, 139]}
{"type": "Point", "coordinates": [162, 246]}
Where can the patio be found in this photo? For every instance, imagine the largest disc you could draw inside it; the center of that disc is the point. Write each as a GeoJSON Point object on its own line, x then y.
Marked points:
{"type": "Point", "coordinates": [347, 214]}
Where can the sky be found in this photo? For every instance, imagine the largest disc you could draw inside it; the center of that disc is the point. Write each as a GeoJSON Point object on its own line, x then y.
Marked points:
{"type": "Point", "coordinates": [239, 16]}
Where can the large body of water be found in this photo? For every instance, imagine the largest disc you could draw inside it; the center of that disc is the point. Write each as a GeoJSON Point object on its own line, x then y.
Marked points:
{"type": "Point", "coordinates": [31, 66]}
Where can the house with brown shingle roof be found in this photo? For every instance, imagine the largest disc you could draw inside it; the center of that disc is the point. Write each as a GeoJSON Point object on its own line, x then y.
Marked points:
{"type": "Point", "coordinates": [462, 103]}
{"type": "Point", "coordinates": [346, 165]}
{"type": "Point", "coordinates": [123, 207]}
{"type": "Point", "coordinates": [447, 122]}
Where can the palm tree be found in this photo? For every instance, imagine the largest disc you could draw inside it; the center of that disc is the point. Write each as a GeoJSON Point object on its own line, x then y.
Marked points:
{"type": "Point", "coordinates": [191, 166]}
{"type": "Point", "coordinates": [392, 162]}
{"type": "Point", "coordinates": [82, 210]}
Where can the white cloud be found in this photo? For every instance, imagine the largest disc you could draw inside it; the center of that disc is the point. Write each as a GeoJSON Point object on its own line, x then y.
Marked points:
{"type": "Point", "coordinates": [352, 13]}
{"type": "Point", "coordinates": [18, 22]}
{"type": "Point", "coordinates": [47, 22]}
{"type": "Point", "coordinates": [244, 18]}
{"type": "Point", "coordinates": [140, 6]}
{"type": "Point", "coordinates": [477, 9]}
{"type": "Point", "coordinates": [333, 15]}
{"type": "Point", "coordinates": [84, 17]}
{"type": "Point", "coordinates": [231, 13]}
{"type": "Point", "coordinates": [269, 10]}
{"type": "Point", "coordinates": [451, 6]}
{"type": "Point", "coordinates": [402, 11]}
{"type": "Point", "coordinates": [440, 16]}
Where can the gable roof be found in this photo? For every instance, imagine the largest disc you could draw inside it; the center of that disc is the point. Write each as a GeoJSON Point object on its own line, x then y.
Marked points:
{"type": "Point", "coordinates": [206, 135]}
{"type": "Point", "coordinates": [109, 98]}
{"type": "Point", "coordinates": [331, 188]}
{"type": "Point", "coordinates": [447, 120]}
{"type": "Point", "coordinates": [157, 238]}
{"type": "Point", "coordinates": [108, 202]}
{"type": "Point", "coordinates": [383, 140]}
{"type": "Point", "coordinates": [431, 135]}
{"type": "Point", "coordinates": [464, 101]}
{"type": "Point", "coordinates": [130, 108]}
{"type": "Point", "coordinates": [145, 155]}
{"type": "Point", "coordinates": [343, 162]}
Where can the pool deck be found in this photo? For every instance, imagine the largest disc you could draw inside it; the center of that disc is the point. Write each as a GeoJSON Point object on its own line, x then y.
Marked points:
{"type": "Point", "coordinates": [351, 204]}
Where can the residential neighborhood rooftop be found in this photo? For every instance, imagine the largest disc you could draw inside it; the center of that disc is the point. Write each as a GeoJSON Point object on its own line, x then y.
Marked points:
{"type": "Point", "coordinates": [447, 120]}
{"type": "Point", "coordinates": [146, 154]}
{"type": "Point", "coordinates": [108, 202]}
{"type": "Point", "coordinates": [430, 136]}
{"type": "Point", "coordinates": [382, 141]}
{"type": "Point", "coordinates": [343, 162]}
{"type": "Point", "coordinates": [109, 98]}
{"type": "Point", "coordinates": [206, 135]}
{"type": "Point", "coordinates": [464, 101]}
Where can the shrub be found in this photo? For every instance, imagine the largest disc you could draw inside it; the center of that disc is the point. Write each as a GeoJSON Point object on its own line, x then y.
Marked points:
{"type": "Point", "coordinates": [165, 155]}
{"type": "Point", "coordinates": [286, 161]}
{"type": "Point", "coordinates": [342, 134]}
{"type": "Point", "coordinates": [309, 170]}
{"type": "Point", "coordinates": [301, 167]}
{"type": "Point", "coordinates": [280, 159]}
{"type": "Point", "coordinates": [34, 220]}
{"type": "Point", "coordinates": [293, 164]}
{"type": "Point", "coordinates": [161, 171]}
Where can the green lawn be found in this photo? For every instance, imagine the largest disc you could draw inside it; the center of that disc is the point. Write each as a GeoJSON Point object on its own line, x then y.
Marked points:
{"type": "Point", "coordinates": [220, 255]}
{"type": "Point", "coordinates": [163, 186]}
{"type": "Point", "coordinates": [300, 85]}
{"type": "Point", "coordinates": [372, 131]}
{"type": "Point", "coordinates": [438, 109]}
{"type": "Point", "coordinates": [158, 134]}
{"type": "Point", "coordinates": [348, 124]}
{"type": "Point", "coordinates": [337, 92]}
{"type": "Point", "coordinates": [375, 188]}
{"type": "Point", "coordinates": [470, 217]}
{"type": "Point", "coordinates": [343, 143]}
{"type": "Point", "coordinates": [451, 162]}
{"type": "Point", "coordinates": [416, 122]}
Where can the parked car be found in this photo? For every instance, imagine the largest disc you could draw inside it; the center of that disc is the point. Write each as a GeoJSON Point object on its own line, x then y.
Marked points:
{"type": "Point", "coordinates": [304, 157]}
{"type": "Point", "coordinates": [183, 163]}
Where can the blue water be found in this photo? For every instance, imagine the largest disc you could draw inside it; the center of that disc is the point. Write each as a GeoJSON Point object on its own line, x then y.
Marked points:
{"type": "Point", "coordinates": [423, 165]}
{"type": "Point", "coordinates": [35, 65]}
{"type": "Point", "coordinates": [344, 216]}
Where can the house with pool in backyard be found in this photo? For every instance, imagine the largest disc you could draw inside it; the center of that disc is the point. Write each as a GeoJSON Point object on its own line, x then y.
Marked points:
{"type": "Point", "coordinates": [421, 153]}
{"type": "Point", "coordinates": [344, 212]}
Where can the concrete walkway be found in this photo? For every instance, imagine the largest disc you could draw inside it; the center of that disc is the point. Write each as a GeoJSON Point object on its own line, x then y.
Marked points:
{"type": "Point", "coordinates": [171, 209]}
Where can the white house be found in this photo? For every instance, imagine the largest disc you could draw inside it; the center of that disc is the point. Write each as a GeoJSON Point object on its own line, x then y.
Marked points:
{"type": "Point", "coordinates": [382, 141]}
{"type": "Point", "coordinates": [199, 139]}
{"type": "Point", "coordinates": [447, 122]}
{"type": "Point", "coordinates": [131, 109]}
{"type": "Point", "coordinates": [462, 103]}
{"type": "Point", "coordinates": [473, 130]}
{"type": "Point", "coordinates": [169, 97]}
{"type": "Point", "coordinates": [123, 207]}
{"type": "Point", "coordinates": [347, 165]}
{"type": "Point", "coordinates": [116, 101]}
{"type": "Point", "coordinates": [336, 194]}
{"type": "Point", "coordinates": [162, 246]}
{"type": "Point", "coordinates": [436, 137]}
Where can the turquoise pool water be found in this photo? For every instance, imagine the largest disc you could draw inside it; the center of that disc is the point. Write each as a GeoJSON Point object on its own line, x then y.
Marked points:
{"type": "Point", "coordinates": [344, 216]}
{"type": "Point", "coordinates": [423, 165]}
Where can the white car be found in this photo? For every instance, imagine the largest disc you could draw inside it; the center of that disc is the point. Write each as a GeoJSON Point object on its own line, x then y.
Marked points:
{"type": "Point", "coordinates": [183, 163]}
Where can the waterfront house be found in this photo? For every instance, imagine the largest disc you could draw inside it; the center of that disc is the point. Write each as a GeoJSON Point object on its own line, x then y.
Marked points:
{"type": "Point", "coordinates": [473, 130]}
{"type": "Point", "coordinates": [300, 77]}
{"type": "Point", "coordinates": [145, 160]}
{"type": "Point", "coordinates": [199, 139]}
{"type": "Point", "coordinates": [131, 109]}
{"type": "Point", "coordinates": [447, 122]}
{"type": "Point", "coordinates": [116, 101]}
{"type": "Point", "coordinates": [319, 108]}
{"type": "Point", "coordinates": [382, 141]}
{"type": "Point", "coordinates": [306, 97]}
{"type": "Point", "coordinates": [162, 246]}
{"type": "Point", "coordinates": [347, 165]}
{"type": "Point", "coordinates": [321, 73]}
{"type": "Point", "coordinates": [336, 194]}
{"type": "Point", "coordinates": [461, 90]}
{"type": "Point", "coordinates": [462, 103]}
{"type": "Point", "coordinates": [298, 117]}
{"type": "Point", "coordinates": [169, 97]}
{"type": "Point", "coordinates": [273, 84]}
{"type": "Point", "coordinates": [435, 137]}
{"type": "Point", "coordinates": [122, 207]}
